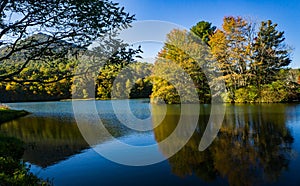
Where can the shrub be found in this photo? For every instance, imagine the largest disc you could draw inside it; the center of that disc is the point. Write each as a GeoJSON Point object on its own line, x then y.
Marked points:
{"type": "Point", "coordinates": [166, 94]}
{"type": "Point", "coordinates": [274, 93]}
{"type": "Point", "coordinates": [246, 95]}
{"type": "Point", "coordinates": [13, 170]}
{"type": "Point", "coordinates": [277, 91]}
{"type": "Point", "coordinates": [11, 147]}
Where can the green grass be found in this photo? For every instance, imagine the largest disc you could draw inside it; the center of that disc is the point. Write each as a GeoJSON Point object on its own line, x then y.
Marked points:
{"type": "Point", "coordinates": [8, 115]}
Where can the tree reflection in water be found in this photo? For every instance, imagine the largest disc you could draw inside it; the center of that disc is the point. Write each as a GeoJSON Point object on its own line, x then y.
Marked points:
{"type": "Point", "coordinates": [253, 145]}
{"type": "Point", "coordinates": [50, 140]}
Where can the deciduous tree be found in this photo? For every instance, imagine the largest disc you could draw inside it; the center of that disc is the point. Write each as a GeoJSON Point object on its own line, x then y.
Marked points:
{"type": "Point", "coordinates": [182, 53]}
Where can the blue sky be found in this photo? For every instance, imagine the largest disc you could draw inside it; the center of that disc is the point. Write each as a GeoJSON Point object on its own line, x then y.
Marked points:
{"type": "Point", "coordinates": [286, 13]}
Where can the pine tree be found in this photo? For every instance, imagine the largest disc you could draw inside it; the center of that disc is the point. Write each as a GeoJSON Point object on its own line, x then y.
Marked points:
{"type": "Point", "coordinates": [204, 30]}
{"type": "Point", "coordinates": [270, 54]}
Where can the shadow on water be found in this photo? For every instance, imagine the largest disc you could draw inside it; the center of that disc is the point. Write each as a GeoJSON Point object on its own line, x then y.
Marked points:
{"type": "Point", "coordinates": [253, 146]}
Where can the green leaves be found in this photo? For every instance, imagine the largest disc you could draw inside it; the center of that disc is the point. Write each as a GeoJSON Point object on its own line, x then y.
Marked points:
{"type": "Point", "coordinates": [63, 25]}
{"type": "Point", "coordinates": [131, 81]}
{"type": "Point", "coordinates": [203, 30]}
{"type": "Point", "coordinates": [12, 170]}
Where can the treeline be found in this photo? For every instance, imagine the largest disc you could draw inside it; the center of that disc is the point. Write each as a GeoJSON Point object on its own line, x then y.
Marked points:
{"type": "Point", "coordinates": [252, 62]}
{"type": "Point", "coordinates": [73, 76]}
{"type": "Point", "coordinates": [136, 86]}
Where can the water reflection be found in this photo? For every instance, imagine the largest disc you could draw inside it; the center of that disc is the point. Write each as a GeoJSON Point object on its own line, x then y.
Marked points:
{"type": "Point", "coordinates": [253, 145]}
{"type": "Point", "coordinates": [52, 139]}
{"type": "Point", "coordinates": [48, 140]}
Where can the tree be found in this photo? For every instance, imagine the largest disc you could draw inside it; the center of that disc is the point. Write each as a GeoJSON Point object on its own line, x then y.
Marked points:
{"type": "Point", "coordinates": [249, 58]}
{"type": "Point", "coordinates": [127, 81]}
{"type": "Point", "coordinates": [57, 76]}
{"type": "Point", "coordinates": [31, 90]}
{"type": "Point", "coordinates": [229, 48]}
{"type": "Point", "coordinates": [203, 30]}
{"type": "Point", "coordinates": [182, 55]}
{"type": "Point", "coordinates": [64, 23]}
{"type": "Point", "coordinates": [270, 54]}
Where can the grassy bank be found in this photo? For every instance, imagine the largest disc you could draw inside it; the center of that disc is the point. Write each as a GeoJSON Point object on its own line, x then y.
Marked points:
{"type": "Point", "coordinates": [7, 114]}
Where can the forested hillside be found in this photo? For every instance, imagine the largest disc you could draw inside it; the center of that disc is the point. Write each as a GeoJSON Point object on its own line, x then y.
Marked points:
{"type": "Point", "coordinates": [49, 80]}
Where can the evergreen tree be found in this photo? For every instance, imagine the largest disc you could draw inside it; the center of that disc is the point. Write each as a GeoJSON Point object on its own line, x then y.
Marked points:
{"type": "Point", "coordinates": [270, 54]}
{"type": "Point", "coordinates": [204, 30]}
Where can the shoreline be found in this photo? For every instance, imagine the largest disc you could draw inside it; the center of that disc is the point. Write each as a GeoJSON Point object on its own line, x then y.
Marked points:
{"type": "Point", "coordinates": [93, 99]}
{"type": "Point", "coordinates": [7, 115]}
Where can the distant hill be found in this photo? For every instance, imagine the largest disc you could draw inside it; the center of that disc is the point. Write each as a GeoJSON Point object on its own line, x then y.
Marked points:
{"type": "Point", "coordinates": [38, 42]}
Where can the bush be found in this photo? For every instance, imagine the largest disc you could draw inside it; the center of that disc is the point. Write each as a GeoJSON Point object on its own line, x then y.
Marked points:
{"type": "Point", "coordinates": [274, 93]}
{"type": "Point", "coordinates": [11, 147]}
{"type": "Point", "coordinates": [247, 95]}
{"type": "Point", "coordinates": [13, 170]}
{"type": "Point", "coordinates": [165, 94]}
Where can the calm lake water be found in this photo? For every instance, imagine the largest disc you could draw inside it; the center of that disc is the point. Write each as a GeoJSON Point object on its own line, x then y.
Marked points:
{"type": "Point", "coordinates": [256, 145]}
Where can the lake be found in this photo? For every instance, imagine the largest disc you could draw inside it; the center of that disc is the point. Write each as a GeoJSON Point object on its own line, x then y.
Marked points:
{"type": "Point", "coordinates": [257, 144]}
